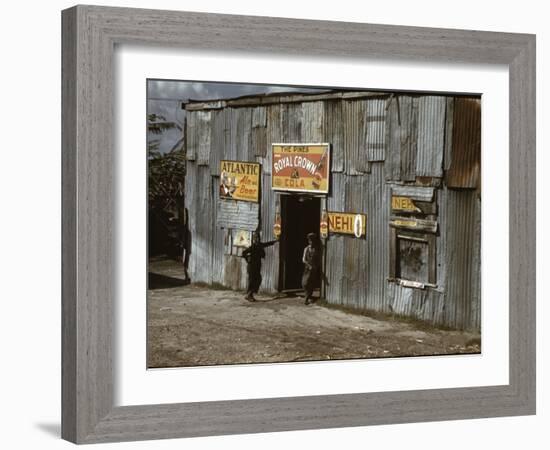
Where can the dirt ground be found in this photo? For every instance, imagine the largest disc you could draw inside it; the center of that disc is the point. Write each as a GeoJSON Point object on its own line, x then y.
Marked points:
{"type": "Point", "coordinates": [190, 325]}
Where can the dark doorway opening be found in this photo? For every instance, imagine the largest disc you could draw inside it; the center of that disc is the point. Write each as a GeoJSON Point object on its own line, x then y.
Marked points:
{"type": "Point", "coordinates": [300, 215]}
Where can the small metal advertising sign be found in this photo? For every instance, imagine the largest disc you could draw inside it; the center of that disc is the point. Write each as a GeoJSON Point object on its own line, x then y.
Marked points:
{"type": "Point", "coordinates": [300, 167]}
{"type": "Point", "coordinates": [240, 180]}
{"type": "Point", "coordinates": [399, 203]}
{"type": "Point", "coordinates": [347, 223]}
{"type": "Point", "coordinates": [277, 226]}
{"type": "Point", "coordinates": [242, 238]}
{"type": "Point", "coordinates": [323, 227]}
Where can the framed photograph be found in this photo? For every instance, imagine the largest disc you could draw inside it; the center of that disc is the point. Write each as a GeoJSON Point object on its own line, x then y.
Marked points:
{"type": "Point", "coordinates": [278, 229]}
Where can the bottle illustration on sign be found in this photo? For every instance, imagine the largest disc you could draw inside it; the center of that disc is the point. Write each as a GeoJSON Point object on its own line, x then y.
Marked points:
{"type": "Point", "coordinates": [277, 225]}
{"type": "Point", "coordinates": [318, 176]}
{"type": "Point", "coordinates": [323, 228]}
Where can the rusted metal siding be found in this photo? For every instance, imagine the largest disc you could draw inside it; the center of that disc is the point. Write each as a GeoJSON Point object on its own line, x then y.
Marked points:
{"type": "Point", "coordinates": [259, 131]}
{"type": "Point", "coordinates": [462, 259]}
{"type": "Point", "coordinates": [423, 304]}
{"type": "Point", "coordinates": [376, 129]}
{"type": "Point", "coordinates": [218, 237]}
{"type": "Point", "coordinates": [430, 136]}
{"type": "Point", "coordinates": [191, 137]}
{"type": "Point", "coordinates": [274, 134]}
{"type": "Point", "coordinates": [401, 138]}
{"type": "Point", "coordinates": [291, 122]}
{"type": "Point", "coordinates": [355, 153]}
{"type": "Point", "coordinates": [449, 112]}
{"type": "Point", "coordinates": [203, 131]}
{"type": "Point", "coordinates": [376, 201]}
{"type": "Point", "coordinates": [200, 224]}
{"type": "Point", "coordinates": [355, 262]}
{"type": "Point", "coordinates": [334, 133]}
{"type": "Point", "coordinates": [218, 140]}
{"type": "Point", "coordinates": [312, 122]}
{"type": "Point", "coordinates": [239, 215]}
{"type": "Point", "coordinates": [270, 265]}
{"type": "Point", "coordinates": [465, 164]}
{"type": "Point", "coordinates": [335, 243]}
{"type": "Point", "coordinates": [241, 130]}
{"type": "Point", "coordinates": [356, 269]}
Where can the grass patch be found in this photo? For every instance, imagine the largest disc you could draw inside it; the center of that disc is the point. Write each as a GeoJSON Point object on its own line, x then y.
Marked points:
{"type": "Point", "coordinates": [421, 325]}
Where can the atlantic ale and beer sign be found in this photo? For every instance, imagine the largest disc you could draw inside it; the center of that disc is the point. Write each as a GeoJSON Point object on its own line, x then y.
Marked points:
{"type": "Point", "coordinates": [300, 167]}
{"type": "Point", "coordinates": [240, 180]}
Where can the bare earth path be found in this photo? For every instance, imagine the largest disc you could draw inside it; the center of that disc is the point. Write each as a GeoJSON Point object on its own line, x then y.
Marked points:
{"type": "Point", "coordinates": [190, 325]}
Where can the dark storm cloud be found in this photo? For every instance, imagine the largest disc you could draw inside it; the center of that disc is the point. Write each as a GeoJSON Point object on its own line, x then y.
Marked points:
{"type": "Point", "coordinates": [165, 97]}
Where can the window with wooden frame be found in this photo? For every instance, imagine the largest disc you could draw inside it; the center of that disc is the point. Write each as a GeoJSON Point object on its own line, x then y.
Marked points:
{"type": "Point", "coordinates": [413, 231]}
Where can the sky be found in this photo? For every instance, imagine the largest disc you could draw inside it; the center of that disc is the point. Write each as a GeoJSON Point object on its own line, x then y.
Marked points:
{"type": "Point", "coordinates": [164, 97]}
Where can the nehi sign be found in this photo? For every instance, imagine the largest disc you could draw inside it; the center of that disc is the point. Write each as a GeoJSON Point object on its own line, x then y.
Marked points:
{"type": "Point", "coordinates": [347, 223]}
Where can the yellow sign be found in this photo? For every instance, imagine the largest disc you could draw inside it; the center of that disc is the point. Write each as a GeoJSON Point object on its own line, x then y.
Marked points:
{"type": "Point", "coordinates": [405, 223]}
{"type": "Point", "coordinates": [300, 167]}
{"type": "Point", "coordinates": [240, 180]}
{"type": "Point", "coordinates": [403, 204]}
{"type": "Point", "coordinates": [347, 223]}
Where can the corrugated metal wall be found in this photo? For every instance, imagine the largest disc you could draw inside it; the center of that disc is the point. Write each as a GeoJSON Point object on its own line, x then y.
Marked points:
{"type": "Point", "coordinates": [377, 143]}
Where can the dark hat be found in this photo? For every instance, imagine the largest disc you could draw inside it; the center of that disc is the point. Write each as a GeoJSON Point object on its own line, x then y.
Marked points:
{"type": "Point", "coordinates": [311, 236]}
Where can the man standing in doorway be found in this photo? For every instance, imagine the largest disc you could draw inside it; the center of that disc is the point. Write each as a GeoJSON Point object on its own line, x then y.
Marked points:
{"type": "Point", "coordinates": [254, 255]}
{"type": "Point", "coordinates": [312, 265]}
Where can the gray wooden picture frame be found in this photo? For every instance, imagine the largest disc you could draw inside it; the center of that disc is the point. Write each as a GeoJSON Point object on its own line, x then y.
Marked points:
{"type": "Point", "coordinates": [90, 34]}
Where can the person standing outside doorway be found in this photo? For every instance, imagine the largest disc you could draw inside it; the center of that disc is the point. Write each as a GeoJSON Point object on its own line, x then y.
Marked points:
{"type": "Point", "coordinates": [312, 266]}
{"type": "Point", "coordinates": [254, 255]}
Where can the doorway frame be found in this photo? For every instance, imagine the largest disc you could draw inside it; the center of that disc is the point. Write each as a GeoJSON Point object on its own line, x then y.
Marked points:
{"type": "Point", "coordinates": [282, 249]}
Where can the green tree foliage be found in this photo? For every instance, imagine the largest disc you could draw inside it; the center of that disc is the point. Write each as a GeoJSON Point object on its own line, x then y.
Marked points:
{"type": "Point", "coordinates": [166, 171]}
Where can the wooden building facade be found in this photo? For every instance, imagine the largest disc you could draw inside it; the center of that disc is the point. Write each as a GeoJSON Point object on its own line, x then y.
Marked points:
{"type": "Point", "coordinates": [408, 162]}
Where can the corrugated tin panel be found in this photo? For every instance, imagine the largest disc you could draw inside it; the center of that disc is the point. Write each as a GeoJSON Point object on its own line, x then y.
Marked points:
{"type": "Point", "coordinates": [334, 133]}
{"type": "Point", "coordinates": [423, 194]}
{"type": "Point", "coordinates": [291, 122]}
{"type": "Point", "coordinates": [430, 136]}
{"type": "Point", "coordinates": [259, 117]}
{"type": "Point", "coordinates": [355, 259]}
{"type": "Point", "coordinates": [422, 304]}
{"type": "Point", "coordinates": [376, 204]}
{"type": "Point", "coordinates": [355, 152]}
{"type": "Point", "coordinates": [191, 136]}
{"type": "Point", "coordinates": [200, 214]}
{"type": "Point", "coordinates": [259, 131]}
{"type": "Point", "coordinates": [409, 129]}
{"type": "Point", "coordinates": [203, 131]}
{"type": "Point", "coordinates": [241, 129]}
{"type": "Point", "coordinates": [465, 163]}
{"type": "Point", "coordinates": [234, 275]}
{"type": "Point", "coordinates": [392, 163]}
{"type": "Point", "coordinates": [376, 129]}
{"type": "Point", "coordinates": [463, 281]}
{"type": "Point", "coordinates": [217, 144]}
{"type": "Point", "coordinates": [237, 214]}
{"type": "Point", "coordinates": [312, 122]}
{"type": "Point", "coordinates": [274, 135]}
{"type": "Point", "coordinates": [441, 240]}
{"type": "Point", "coordinates": [335, 243]}
{"type": "Point", "coordinates": [401, 142]}
{"type": "Point", "coordinates": [218, 237]}
{"type": "Point", "coordinates": [448, 133]}
{"type": "Point", "coordinates": [270, 266]}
